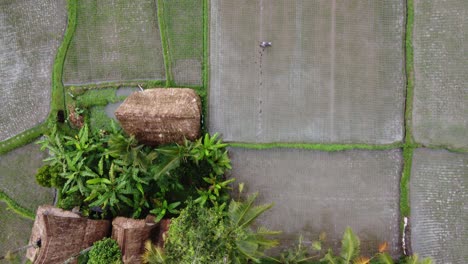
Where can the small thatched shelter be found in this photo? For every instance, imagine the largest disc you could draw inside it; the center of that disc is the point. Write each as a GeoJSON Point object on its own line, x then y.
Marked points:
{"type": "Point", "coordinates": [162, 115]}
{"type": "Point", "coordinates": [63, 234]}
{"type": "Point", "coordinates": [131, 235]}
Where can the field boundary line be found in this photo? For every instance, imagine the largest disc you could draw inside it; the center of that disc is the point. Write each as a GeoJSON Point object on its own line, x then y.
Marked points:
{"type": "Point", "coordinates": [205, 66]}
{"type": "Point", "coordinates": [133, 83]}
{"type": "Point", "coordinates": [22, 139]}
{"type": "Point", "coordinates": [315, 146]}
{"type": "Point", "coordinates": [13, 205]}
{"type": "Point", "coordinates": [409, 145]}
{"type": "Point", "coordinates": [165, 43]}
{"type": "Point", "coordinates": [58, 100]}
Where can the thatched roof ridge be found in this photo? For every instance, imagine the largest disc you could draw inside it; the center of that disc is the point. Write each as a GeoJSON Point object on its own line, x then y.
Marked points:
{"type": "Point", "coordinates": [161, 115]}
{"type": "Point", "coordinates": [155, 102]}
{"type": "Point", "coordinates": [63, 234]}
{"type": "Point", "coordinates": [131, 235]}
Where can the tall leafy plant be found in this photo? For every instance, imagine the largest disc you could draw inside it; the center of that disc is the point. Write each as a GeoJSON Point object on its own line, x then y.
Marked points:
{"type": "Point", "coordinates": [249, 244]}
{"type": "Point", "coordinates": [200, 166]}
{"type": "Point", "coordinates": [73, 157]}
{"type": "Point", "coordinates": [114, 174]}
{"type": "Point", "coordinates": [207, 149]}
{"type": "Point", "coordinates": [209, 235]}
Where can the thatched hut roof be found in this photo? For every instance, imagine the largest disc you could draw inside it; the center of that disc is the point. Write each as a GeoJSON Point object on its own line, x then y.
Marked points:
{"type": "Point", "coordinates": [131, 235]}
{"type": "Point", "coordinates": [161, 115]}
{"type": "Point", "coordinates": [63, 234]}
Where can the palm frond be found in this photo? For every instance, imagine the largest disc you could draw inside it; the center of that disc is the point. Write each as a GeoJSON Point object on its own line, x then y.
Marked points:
{"type": "Point", "coordinates": [167, 166]}
{"type": "Point", "coordinates": [349, 245]}
{"type": "Point", "coordinates": [153, 255]}
{"type": "Point", "coordinates": [243, 214]}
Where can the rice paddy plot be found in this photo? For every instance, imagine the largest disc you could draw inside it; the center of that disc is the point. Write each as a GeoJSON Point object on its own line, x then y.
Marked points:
{"type": "Point", "coordinates": [17, 177]}
{"type": "Point", "coordinates": [333, 72]}
{"type": "Point", "coordinates": [115, 41]}
{"type": "Point", "coordinates": [440, 112]}
{"type": "Point", "coordinates": [315, 191]}
{"type": "Point", "coordinates": [30, 33]}
{"type": "Point", "coordinates": [439, 212]}
{"type": "Point", "coordinates": [184, 28]}
{"type": "Point", "coordinates": [14, 230]}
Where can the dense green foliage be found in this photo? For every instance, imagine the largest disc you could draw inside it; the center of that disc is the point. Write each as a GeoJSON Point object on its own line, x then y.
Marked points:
{"type": "Point", "coordinates": [196, 237]}
{"type": "Point", "coordinates": [105, 251]}
{"type": "Point", "coordinates": [113, 174]}
{"type": "Point", "coordinates": [43, 176]}
{"type": "Point", "coordinates": [211, 235]}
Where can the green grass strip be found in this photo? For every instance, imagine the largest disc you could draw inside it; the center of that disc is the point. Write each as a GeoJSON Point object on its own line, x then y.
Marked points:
{"type": "Point", "coordinates": [311, 146]}
{"type": "Point", "coordinates": [144, 83]}
{"type": "Point", "coordinates": [448, 148]}
{"type": "Point", "coordinates": [97, 97]}
{"type": "Point", "coordinates": [22, 139]}
{"type": "Point", "coordinates": [165, 43]}
{"type": "Point", "coordinates": [408, 148]}
{"type": "Point", "coordinates": [206, 43]}
{"type": "Point", "coordinates": [409, 72]}
{"type": "Point", "coordinates": [58, 92]}
{"type": "Point", "coordinates": [205, 64]}
{"type": "Point", "coordinates": [404, 182]}
{"type": "Point", "coordinates": [13, 205]}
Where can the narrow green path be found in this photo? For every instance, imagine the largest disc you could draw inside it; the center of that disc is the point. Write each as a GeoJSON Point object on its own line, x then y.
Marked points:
{"type": "Point", "coordinates": [312, 146]}
{"type": "Point", "coordinates": [13, 205]}
{"type": "Point", "coordinates": [143, 83]}
{"type": "Point", "coordinates": [22, 139]}
{"type": "Point", "coordinates": [409, 144]}
{"type": "Point", "coordinates": [58, 102]}
{"type": "Point", "coordinates": [165, 44]}
{"type": "Point", "coordinates": [206, 45]}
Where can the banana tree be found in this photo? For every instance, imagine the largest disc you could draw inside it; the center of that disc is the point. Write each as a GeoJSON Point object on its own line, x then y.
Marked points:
{"type": "Point", "coordinates": [120, 187]}
{"type": "Point", "coordinates": [250, 244]}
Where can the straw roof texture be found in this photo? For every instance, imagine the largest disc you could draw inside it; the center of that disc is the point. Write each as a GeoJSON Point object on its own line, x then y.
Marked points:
{"type": "Point", "coordinates": [63, 234]}
{"type": "Point", "coordinates": [161, 115]}
{"type": "Point", "coordinates": [131, 235]}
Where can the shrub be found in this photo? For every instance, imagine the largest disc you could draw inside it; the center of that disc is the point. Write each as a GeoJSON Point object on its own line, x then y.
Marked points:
{"type": "Point", "coordinates": [43, 176]}
{"type": "Point", "coordinates": [198, 235]}
{"type": "Point", "coordinates": [211, 235]}
{"type": "Point", "coordinates": [70, 201]}
{"type": "Point", "coordinates": [105, 251]}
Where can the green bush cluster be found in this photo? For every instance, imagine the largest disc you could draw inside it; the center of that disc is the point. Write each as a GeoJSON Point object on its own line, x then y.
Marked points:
{"type": "Point", "coordinates": [48, 176]}
{"type": "Point", "coordinates": [105, 251]}
{"type": "Point", "coordinates": [110, 172]}
{"type": "Point", "coordinates": [213, 235]}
